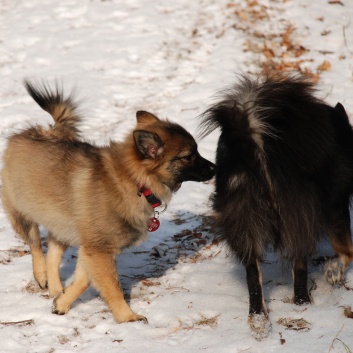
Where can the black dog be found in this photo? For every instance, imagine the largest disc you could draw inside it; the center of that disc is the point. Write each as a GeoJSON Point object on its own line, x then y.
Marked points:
{"type": "Point", "coordinates": [284, 178]}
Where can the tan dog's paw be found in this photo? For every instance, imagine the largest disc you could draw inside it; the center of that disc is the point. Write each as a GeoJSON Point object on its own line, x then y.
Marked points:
{"type": "Point", "coordinates": [41, 279]}
{"type": "Point", "coordinates": [59, 306]}
{"type": "Point", "coordinates": [138, 318]}
{"type": "Point", "coordinates": [127, 315]}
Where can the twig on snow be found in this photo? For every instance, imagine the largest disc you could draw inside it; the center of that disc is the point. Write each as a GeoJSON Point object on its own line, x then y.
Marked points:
{"type": "Point", "coordinates": [344, 27]}
{"type": "Point", "coordinates": [244, 350]}
{"type": "Point", "coordinates": [23, 322]}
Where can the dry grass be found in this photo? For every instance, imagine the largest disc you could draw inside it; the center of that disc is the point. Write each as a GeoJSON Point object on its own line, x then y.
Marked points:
{"type": "Point", "coordinates": [347, 349]}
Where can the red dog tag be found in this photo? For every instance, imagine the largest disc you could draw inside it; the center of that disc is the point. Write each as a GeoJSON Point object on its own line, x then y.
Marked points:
{"type": "Point", "coordinates": [153, 224]}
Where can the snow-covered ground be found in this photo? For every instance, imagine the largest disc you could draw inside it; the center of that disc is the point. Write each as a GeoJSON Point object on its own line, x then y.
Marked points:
{"type": "Point", "coordinates": [168, 57]}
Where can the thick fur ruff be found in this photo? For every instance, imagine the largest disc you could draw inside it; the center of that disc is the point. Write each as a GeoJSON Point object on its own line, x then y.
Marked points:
{"type": "Point", "coordinates": [284, 166]}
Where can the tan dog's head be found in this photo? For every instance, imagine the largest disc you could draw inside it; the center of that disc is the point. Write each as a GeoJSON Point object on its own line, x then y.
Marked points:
{"type": "Point", "coordinates": [169, 152]}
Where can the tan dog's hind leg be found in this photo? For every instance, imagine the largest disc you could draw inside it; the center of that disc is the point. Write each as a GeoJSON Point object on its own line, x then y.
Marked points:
{"type": "Point", "coordinates": [38, 259]}
{"type": "Point", "coordinates": [29, 232]}
{"type": "Point", "coordinates": [53, 261]}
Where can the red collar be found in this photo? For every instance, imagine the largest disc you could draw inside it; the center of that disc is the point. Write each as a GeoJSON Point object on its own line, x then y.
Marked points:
{"type": "Point", "coordinates": [151, 198]}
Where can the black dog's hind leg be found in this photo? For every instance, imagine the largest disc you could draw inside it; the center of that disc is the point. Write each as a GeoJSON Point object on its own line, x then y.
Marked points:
{"type": "Point", "coordinates": [254, 280]}
{"type": "Point", "coordinates": [300, 282]}
{"type": "Point", "coordinates": [258, 316]}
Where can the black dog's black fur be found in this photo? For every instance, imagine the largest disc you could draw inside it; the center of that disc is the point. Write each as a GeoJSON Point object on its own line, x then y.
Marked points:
{"type": "Point", "coordinates": [284, 178]}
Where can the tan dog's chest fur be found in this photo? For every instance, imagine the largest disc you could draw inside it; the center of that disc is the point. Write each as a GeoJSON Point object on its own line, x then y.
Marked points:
{"type": "Point", "coordinates": [88, 196]}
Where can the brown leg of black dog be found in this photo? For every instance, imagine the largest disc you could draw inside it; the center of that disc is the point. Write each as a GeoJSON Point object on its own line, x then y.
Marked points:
{"type": "Point", "coordinates": [341, 241]}
{"type": "Point", "coordinates": [300, 282]}
{"type": "Point", "coordinates": [258, 318]}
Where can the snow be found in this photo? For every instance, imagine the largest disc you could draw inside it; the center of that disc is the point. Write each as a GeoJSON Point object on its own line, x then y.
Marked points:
{"type": "Point", "coordinates": [169, 58]}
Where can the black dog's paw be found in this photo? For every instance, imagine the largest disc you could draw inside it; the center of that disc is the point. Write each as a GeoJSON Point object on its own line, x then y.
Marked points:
{"type": "Point", "coordinates": [302, 298]}
{"type": "Point", "coordinates": [260, 326]}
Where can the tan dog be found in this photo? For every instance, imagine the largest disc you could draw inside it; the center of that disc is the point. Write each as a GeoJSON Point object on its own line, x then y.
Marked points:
{"type": "Point", "coordinates": [93, 198]}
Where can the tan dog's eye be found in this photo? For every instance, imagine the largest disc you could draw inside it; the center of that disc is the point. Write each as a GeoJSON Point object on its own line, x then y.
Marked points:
{"type": "Point", "coordinates": [183, 158]}
{"type": "Point", "coordinates": [188, 157]}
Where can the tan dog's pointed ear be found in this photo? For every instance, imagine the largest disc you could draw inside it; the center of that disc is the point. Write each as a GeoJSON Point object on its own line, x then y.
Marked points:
{"type": "Point", "coordinates": [145, 117]}
{"type": "Point", "coordinates": [148, 143]}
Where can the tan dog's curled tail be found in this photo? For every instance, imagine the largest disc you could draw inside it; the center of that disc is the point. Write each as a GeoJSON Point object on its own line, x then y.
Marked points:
{"type": "Point", "coordinates": [63, 109]}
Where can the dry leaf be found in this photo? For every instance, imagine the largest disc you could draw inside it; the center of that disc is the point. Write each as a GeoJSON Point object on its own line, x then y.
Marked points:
{"type": "Point", "coordinates": [336, 2]}
{"type": "Point", "coordinates": [348, 312]}
{"type": "Point", "coordinates": [295, 324]}
{"type": "Point", "coordinates": [242, 15]}
{"type": "Point", "coordinates": [212, 321]}
{"type": "Point", "coordinates": [63, 339]}
{"type": "Point", "coordinates": [148, 283]}
{"type": "Point", "coordinates": [325, 66]}
{"type": "Point", "coordinates": [268, 52]}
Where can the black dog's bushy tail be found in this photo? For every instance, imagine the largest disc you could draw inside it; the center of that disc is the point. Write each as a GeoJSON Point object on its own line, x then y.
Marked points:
{"type": "Point", "coordinates": [269, 110]}
{"type": "Point", "coordinates": [63, 109]}
{"type": "Point", "coordinates": [246, 105]}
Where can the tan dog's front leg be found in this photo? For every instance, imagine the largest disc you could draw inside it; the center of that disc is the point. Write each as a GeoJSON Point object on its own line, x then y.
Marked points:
{"type": "Point", "coordinates": [63, 302]}
{"type": "Point", "coordinates": [102, 271]}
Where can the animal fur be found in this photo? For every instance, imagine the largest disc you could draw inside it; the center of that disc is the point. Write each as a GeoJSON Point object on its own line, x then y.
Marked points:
{"type": "Point", "coordinates": [87, 196]}
{"type": "Point", "coordinates": [284, 178]}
